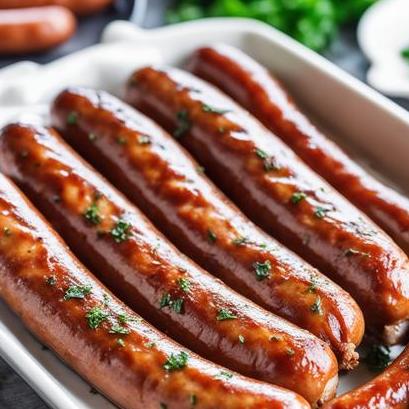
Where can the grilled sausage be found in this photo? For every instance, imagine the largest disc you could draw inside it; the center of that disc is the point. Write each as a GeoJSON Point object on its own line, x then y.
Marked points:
{"type": "Point", "coordinates": [389, 390]}
{"type": "Point", "coordinates": [164, 181]}
{"type": "Point", "coordinates": [34, 29]}
{"type": "Point", "coordinates": [269, 182]}
{"type": "Point", "coordinates": [153, 278]}
{"type": "Point", "coordinates": [110, 346]}
{"type": "Point", "coordinates": [82, 7]}
{"type": "Point", "coordinates": [252, 86]}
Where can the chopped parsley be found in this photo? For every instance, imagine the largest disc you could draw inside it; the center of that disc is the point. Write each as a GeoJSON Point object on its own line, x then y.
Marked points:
{"type": "Point", "coordinates": [72, 118]}
{"type": "Point", "coordinates": [95, 317]}
{"type": "Point", "coordinates": [261, 154]}
{"type": "Point", "coordinates": [121, 231]}
{"type": "Point", "coordinates": [268, 161]}
{"type": "Point", "coordinates": [183, 124]}
{"type": "Point", "coordinates": [316, 308]}
{"type": "Point", "coordinates": [144, 139]}
{"type": "Point", "coordinates": [92, 214]}
{"type": "Point", "coordinates": [312, 287]}
{"type": "Point", "coordinates": [239, 241]}
{"type": "Point", "coordinates": [211, 235]}
{"type": "Point", "coordinates": [184, 284]}
{"type": "Point", "coordinates": [119, 329]}
{"type": "Point", "coordinates": [51, 281]}
{"type": "Point", "coordinates": [405, 53]}
{"type": "Point", "coordinates": [213, 110]}
{"type": "Point", "coordinates": [262, 270]}
{"type": "Point", "coordinates": [176, 304]}
{"type": "Point", "coordinates": [224, 375]}
{"type": "Point", "coordinates": [77, 291]}
{"type": "Point", "coordinates": [176, 362]}
{"type": "Point", "coordinates": [242, 340]}
{"type": "Point", "coordinates": [150, 345]}
{"type": "Point", "coordinates": [123, 318]}
{"type": "Point", "coordinates": [320, 212]}
{"type": "Point", "coordinates": [297, 197]}
{"type": "Point", "coordinates": [378, 358]}
{"type": "Point", "coordinates": [225, 314]}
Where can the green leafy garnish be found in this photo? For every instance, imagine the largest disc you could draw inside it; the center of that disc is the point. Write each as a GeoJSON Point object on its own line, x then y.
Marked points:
{"type": "Point", "coordinates": [312, 287]}
{"type": "Point", "coordinates": [77, 291]}
{"type": "Point", "coordinates": [239, 241]}
{"type": "Point", "coordinates": [297, 197]}
{"type": "Point", "coordinates": [183, 124]}
{"type": "Point", "coordinates": [320, 212]}
{"type": "Point", "coordinates": [51, 281]}
{"type": "Point", "coordinates": [242, 340]}
{"type": "Point", "coordinates": [121, 231]}
{"type": "Point", "coordinates": [95, 317]}
{"type": "Point", "coordinates": [176, 362]}
{"type": "Point", "coordinates": [72, 118]}
{"type": "Point", "coordinates": [225, 314]}
{"type": "Point", "coordinates": [378, 358]}
{"type": "Point", "coordinates": [119, 329]}
{"type": "Point", "coordinates": [92, 214]}
{"type": "Point", "coordinates": [184, 284]}
{"type": "Point", "coordinates": [213, 110]}
{"type": "Point", "coordinates": [224, 375]}
{"type": "Point", "coordinates": [211, 235]}
{"type": "Point", "coordinates": [176, 304]}
{"type": "Point", "coordinates": [262, 269]}
{"type": "Point", "coordinates": [316, 308]}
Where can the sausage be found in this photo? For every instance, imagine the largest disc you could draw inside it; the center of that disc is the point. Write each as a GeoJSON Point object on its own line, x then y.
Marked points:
{"type": "Point", "coordinates": [166, 183]}
{"type": "Point", "coordinates": [153, 278]}
{"type": "Point", "coordinates": [110, 346]}
{"type": "Point", "coordinates": [389, 390]}
{"type": "Point", "coordinates": [252, 86]}
{"type": "Point", "coordinates": [34, 29]}
{"type": "Point", "coordinates": [81, 7]}
{"type": "Point", "coordinates": [279, 192]}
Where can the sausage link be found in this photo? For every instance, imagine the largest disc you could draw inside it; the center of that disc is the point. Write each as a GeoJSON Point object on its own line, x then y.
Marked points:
{"type": "Point", "coordinates": [110, 346]}
{"type": "Point", "coordinates": [34, 29]}
{"type": "Point", "coordinates": [278, 191]}
{"type": "Point", "coordinates": [81, 7]}
{"type": "Point", "coordinates": [166, 183]}
{"type": "Point", "coordinates": [153, 278]}
{"type": "Point", "coordinates": [389, 390]}
{"type": "Point", "coordinates": [252, 86]}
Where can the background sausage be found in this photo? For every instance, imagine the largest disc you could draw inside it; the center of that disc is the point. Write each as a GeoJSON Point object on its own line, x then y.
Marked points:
{"type": "Point", "coordinates": [389, 390]}
{"type": "Point", "coordinates": [34, 29]}
{"type": "Point", "coordinates": [152, 277]}
{"type": "Point", "coordinates": [252, 86]}
{"type": "Point", "coordinates": [164, 181]}
{"type": "Point", "coordinates": [281, 193]}
{"type": "Point", "coordinates": [105, 342]}
{"type": "Point", "coordinates": [81, 7]}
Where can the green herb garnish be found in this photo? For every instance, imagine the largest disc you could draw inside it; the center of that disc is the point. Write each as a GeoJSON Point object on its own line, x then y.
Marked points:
{"type": "Point", "coordinates": [224, 375]}
{"type": "Point", "coordinates": [213, 110]}
{"type": "Point", "coordinates": [239, 241]}
{"type": "Point", "coordinates": [183, 124]}
{"type": "Point", "coordinates": [211, 235]}
{"type": "Point", "coordinates": [405, 53]}
{"type": "Point", "coordinates": [92, 214]}
{"type": "Point", "coordinates": [312, 287]}
{"type": "Point", "coordinates": [176, 362]}
{"type": "Point", "coordinates": [297, 197]}
{"type": "Point", "coordinates": [51, 281]}
{"type": "Point", "coordinates": [262, 270]}
{"type": "Point", "coordinates": [320, 212]}
{"type": "Point", "coordinates": [176, 304]}
{"type": "Point", "coordinates": [378, 358]}
{"type": "Point", "coordinates": [77, 291]}
{"type": "Point", "coordinates": [72, 118]}
{"type": "Point", "coordinates": [119, 329]}
{"type": "Point", "coordinates": [225, 314]}
{"type": "Point", "coordinates": [316, 308]}
{"type": "Point", "coordinates": [242, 340]}
{"type": "Point", "coordinates": [95, 317]}
{"type": "Point", "coordinates": [184, 284]}
{"type": "Point", "coordinates": [121, 231]}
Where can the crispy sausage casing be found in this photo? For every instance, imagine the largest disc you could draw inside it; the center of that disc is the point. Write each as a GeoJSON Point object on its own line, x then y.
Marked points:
{"type": "Point", "coordinates": [34, 29]}
{"type": "Point", "coordinates": [389, 390]}
{"type": "Point", "coordinates": [252, 86]}
{"type": "Point", "coordinates": [280, 193]}
{"type": "Point", "coordinates": [152, 277]}
{"type": "Point", "coordinates": [161, 178]}
{"type": "Point", "coordinates": [128, 360]}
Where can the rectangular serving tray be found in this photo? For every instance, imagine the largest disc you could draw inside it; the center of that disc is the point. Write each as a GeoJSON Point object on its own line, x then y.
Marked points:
{"type": "Point", "coordinates": [366, 123]}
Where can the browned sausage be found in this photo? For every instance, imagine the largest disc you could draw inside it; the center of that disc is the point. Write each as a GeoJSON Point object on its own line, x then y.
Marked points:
{"type": "Point", "coordinates": [389, 390]}
{"type": "Point", "coordinates": [281, 193]}
{"type": "Point", "coordinates": [110, 346]}
{"type": "Point", "coordinates": [252, 86]}
{"type": "Point", "coordinates": [153, 278]}
{"type": "Point", "coordinates": [81, 7]}
{"type": "Point", "coordinates": [164, 181]}
{"type": "Point", "coordinates": [34, 29]}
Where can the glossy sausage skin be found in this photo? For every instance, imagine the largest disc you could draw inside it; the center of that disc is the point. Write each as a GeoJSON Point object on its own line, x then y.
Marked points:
{"type": "Point", "coordinates": [34, 29]}
{"type": "Point", "coordinates": [165, 182]}
{"type": "Point", "coordinates": [278, 191]}
{"type": "Point", "coordinates": [81, 7]}
{"type": "Point", "coordinates": [252, 86]}
{"type": "Point", "coordinates": [37, 271]}
{"type": "Point", "coordinates": [153, 278]}
{"type": "Point", "coordinates": [389, 390]}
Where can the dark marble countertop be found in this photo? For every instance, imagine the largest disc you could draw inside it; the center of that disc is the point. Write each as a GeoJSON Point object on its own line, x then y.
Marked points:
{"type": "Point", "coordinates": [14, 392]}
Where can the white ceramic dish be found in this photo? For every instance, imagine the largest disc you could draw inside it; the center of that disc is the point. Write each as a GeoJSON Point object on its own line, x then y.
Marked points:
{"type": "Point", "coordinates": [359, 117]}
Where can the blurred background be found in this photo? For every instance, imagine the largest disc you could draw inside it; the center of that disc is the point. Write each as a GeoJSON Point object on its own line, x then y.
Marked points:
{"type": "Point", "coordinates": [326, 26]}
